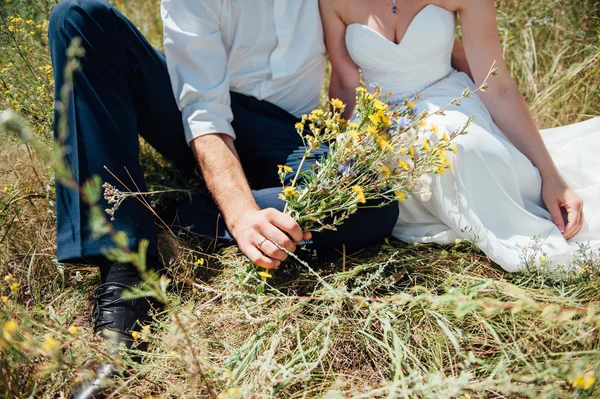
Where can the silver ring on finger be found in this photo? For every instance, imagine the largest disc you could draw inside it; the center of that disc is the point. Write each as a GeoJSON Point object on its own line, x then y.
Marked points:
{"type": "Point", "coordinates": [261, 242]}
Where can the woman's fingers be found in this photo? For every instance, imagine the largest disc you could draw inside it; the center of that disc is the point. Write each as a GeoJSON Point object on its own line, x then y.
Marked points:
{"type": "Point", "coordinates": [574, 217]}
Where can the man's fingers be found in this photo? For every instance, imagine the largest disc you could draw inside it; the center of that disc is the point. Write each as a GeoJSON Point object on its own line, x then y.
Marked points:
{"type": "Point", "coordinates": [271, 250]}
{"type": "Point", "coordinates": [275, 235]}
{"type": "Point", "coordinates": [259, 259]}
{"type": "Point", "coordinates": [307, 235]}
{"type": "Point", "coordinates": [287, 224]}
{"type": "Point", "coordinates": [557, 217]}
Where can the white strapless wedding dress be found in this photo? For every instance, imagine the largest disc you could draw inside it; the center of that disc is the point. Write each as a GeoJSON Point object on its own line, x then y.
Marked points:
{"type": "Point", "coordinates": [492, 193]}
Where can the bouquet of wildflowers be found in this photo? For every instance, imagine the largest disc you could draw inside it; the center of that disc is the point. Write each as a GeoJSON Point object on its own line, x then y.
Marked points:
{"type": "Point", "coordinates": [384, 155]}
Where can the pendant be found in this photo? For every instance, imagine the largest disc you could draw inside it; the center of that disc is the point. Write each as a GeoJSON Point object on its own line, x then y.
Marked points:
{"type": "Point", "coordinates": [394, 8]}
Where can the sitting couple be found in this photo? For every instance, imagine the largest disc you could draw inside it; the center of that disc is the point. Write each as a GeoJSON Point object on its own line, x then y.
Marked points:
{"type": "Point", "coordinates": [236, 77]}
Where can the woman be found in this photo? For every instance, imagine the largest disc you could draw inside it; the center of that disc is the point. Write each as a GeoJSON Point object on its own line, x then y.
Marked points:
{"type": "Point", "coordinates": [504, 188]}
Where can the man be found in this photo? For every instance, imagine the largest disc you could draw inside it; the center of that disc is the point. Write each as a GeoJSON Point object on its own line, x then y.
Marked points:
{"type": "Point", "coordinates": [242, 73]}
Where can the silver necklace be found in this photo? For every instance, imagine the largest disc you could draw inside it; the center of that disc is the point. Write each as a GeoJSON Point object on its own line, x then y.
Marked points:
{"type": "Point", "coordinates": [394, 8]}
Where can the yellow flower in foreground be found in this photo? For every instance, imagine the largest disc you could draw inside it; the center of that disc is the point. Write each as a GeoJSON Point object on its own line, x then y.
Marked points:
{"type": "Point", "coordinates": [411, 105]}
{"type": "Point", "coordinates": [585, 382]}
{"type": "Point", "coordinates": [360, 194]}
{"type": "Point", "coordinates": [446, 137]}
{"type": "Point", "coordinates": [14, 287]}
{"type": "Point", "coordinates": [289, 191]}
{"type": "Point", "coordinates": [200, 262]}
{"type": "Point", "coordinates": [146, 330]}
{"type": "Point", "coordinates": [50, 344]}
{"type": "Point", "coordinates": [265, 274]}
{"type": "Point", "coordinates": [352, 125]}
{"type": "Point", "coordinates": [135, 335]}
{"type": "Point", "coordinates": [300, 126]}
{"type": "Point", "coordinates": [411, 151]}
{"type": "Point", "coordinates": [337, 103]}
{"type": "Point", "coordinates": [73, 329]}
{"type": "Point", "coordinates": [4, 299]}
{"type": "Point", "coordinates": [5, 189]}
{"type": "Point", "coordinates": [434, 128]}
{"type": "Point", "coordinates": [361, 90]}
{"type": "Point", "coordinates": [454, 148]}
{"type": "Point", "coordinates": [543, 259]}
{"type": "Point", "coordinates": [10, 326]}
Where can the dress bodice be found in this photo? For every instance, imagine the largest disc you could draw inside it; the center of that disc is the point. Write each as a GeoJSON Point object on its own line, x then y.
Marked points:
{"type": "Point", "coordinates": [422, 57]}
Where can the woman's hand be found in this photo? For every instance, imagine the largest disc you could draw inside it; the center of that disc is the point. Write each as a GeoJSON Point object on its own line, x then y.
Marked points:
{"type": "Point", "coordinates": [557, 195]}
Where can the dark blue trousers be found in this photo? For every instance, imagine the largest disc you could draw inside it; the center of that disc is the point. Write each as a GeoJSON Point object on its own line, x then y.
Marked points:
{"type": "Point", "coordinates": [122, 91]}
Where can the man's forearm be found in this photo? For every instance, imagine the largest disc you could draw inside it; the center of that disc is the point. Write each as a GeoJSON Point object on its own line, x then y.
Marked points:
{"type": "Point", "coordinates": [224, 176]}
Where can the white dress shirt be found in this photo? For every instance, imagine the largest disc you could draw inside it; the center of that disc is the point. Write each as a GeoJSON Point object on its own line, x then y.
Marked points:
{"type": "Point", "coordinates": [272, 50]}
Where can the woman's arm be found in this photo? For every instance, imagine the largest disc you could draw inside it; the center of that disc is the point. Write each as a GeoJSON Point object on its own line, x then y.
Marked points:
{"type": "Point", "coordinates": [345, 75]}
{"type": "Point", "coordinates": [510, 111]}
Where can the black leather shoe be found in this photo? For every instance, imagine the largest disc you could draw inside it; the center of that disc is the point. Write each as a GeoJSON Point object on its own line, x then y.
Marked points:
{"type": "Point", "coordinates": [115, 319]}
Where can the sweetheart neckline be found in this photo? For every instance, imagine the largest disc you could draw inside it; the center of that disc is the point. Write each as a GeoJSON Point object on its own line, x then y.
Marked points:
{"type": "Point", "coordinates": [410, 25]}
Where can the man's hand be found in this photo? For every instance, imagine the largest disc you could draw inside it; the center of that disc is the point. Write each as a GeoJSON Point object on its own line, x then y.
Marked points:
{"type": "Point", "coordinates": [257, 231]}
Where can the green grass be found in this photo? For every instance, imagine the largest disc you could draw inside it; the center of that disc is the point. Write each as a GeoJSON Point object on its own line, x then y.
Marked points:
{"type": "Point", "coordinates": [395, 320]}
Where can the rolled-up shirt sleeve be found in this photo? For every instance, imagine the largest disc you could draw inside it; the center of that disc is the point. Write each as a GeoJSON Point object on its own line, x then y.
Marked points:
{"type": "Point", "coordinates": [197, 64]}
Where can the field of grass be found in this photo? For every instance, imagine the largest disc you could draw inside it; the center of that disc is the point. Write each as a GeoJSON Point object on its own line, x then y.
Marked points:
{"type": "Point", "coordinates": [396, 320]}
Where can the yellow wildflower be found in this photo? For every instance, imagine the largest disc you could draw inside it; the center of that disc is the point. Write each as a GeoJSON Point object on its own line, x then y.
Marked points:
{"type": "Point", "coordinates": [411, 151]}
{"type": "Point", "coordinates": [360, 194]}
{"type": "Point", "coordinates": [421, 124]}
{"type": "Point", "coordinates": [380, 105]}
{"type": "Point", "coordinates": [384, 144]}
{"type": "Point", "coordinates": [50, 344]}
{"type": "Point", "coordinates": [146, 330]}
{"type": "Point", "coordinates": [585, 382]}
{"type": "Point", "coordinates": [5, 189]}
{"type": "Point", "coordinates": [300, 126]}
{"type": "Point", "coordinates": [281, 197]}
{"type": "Point", "coordinates": [385, 170]}
{"type": "Point", "coordinates": [400, 195]}
{"type": "Point", "coordinates": [315, 114]}
{"type": "Point", "coordinates": [361, 90]}
{"type": "Point", "coordinates": [73, 329]}
{"type": "Point", "coordinates": [445, 137]}
{"type": "Point", "coordinates": [29, 22]}
{"type": "Point", "coordinates": [337, 103]}
{"type": "Point", "coordinates": [289, 191]}
{"type": "Point", "coordinates": [4, 299]}
{"type": "Point", "coordinates": [454, 149]}
{"type": "Point", "coordinates": [200, 261]}
{"type": "Point", "coordinates": [14, 287]}
{"type": "Point", "coordinates": [375, 119]}
{"type": "Point", "coordinates": [287, 169]}
{"type": "Point", "coordinates": [542, 259]}
{"type": "Point", "coordinates": [403, 164]}
{"type": "Point", "coordinates": [411, 105]}
{"type": "Point", "coordinates": [426, 146]}
{"type": "Point", "coordinates": [135, 335]}
{"type": "Point", "coordinates": [265, 274]}
{"type": "Point", "coordinates": [352, 125]}
{"type": "Point", "coordinates": [354, 135]}
{"type": "Point", "coordinates": [304, 118]}
{"type": "Point", "coordinates": [384, 118]}
{"type": "Point", "coordinates": [10, 326]}
{"type": "Point", "coordinates": [372, 131]}
{"type": "Point", "coordinates": [434, 128]}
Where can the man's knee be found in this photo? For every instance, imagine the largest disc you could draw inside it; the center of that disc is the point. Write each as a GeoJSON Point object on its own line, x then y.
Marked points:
{"type": "Point", "coordinates": [74, 17]}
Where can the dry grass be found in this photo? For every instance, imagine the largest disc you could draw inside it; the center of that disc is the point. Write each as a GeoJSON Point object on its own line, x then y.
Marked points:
{"type": "Point", "coordinates": [400, 321]}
